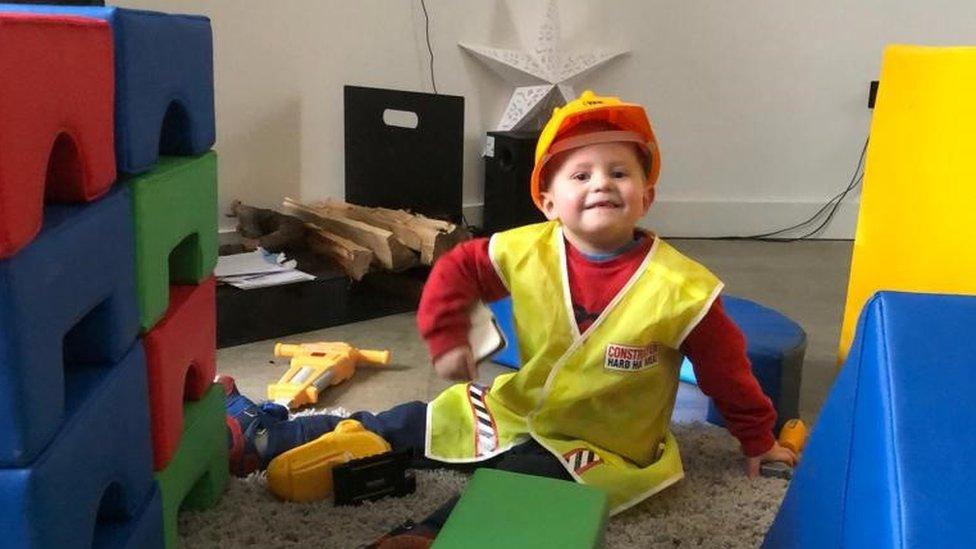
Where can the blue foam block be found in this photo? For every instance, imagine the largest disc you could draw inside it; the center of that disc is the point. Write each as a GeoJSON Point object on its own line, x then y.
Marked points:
{"type": "Point", "coordinates": [69, 295]}
{"type": "Point", "coordinates": [98, 469]}
{"type": "Point", "coordinates": [888, 462]}
{"type": "Point", "coordinates": [164, 93]}
{"type": "Point", "coordinates": [775, 346]}
{"type": "Point", "coordinates": [143, 531]}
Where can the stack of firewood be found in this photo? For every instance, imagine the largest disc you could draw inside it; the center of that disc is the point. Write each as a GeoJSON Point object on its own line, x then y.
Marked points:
{"type": "Point", "coordinates": [360, 238]}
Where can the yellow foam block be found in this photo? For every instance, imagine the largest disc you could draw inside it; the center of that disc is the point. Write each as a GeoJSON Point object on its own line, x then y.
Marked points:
{"type": "Point", "coordinates": [914, 229]}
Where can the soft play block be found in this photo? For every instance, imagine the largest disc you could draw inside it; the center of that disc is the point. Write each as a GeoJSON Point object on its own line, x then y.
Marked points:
{"type": "Point", "coordinates": [197, 474]}
{"type": "Point", "coordinates": [55, 118]}
{"type": "Point", "coordinates": [913, 230]}
{"type": "Point", "coordinates": [143, 531]}
{"type": "Point", "coordinates": [545, 513]}
{"type": "Point", "coordinates": [69, 295]}
{"type": "Point", "coordinates": [775, 346]}
{"type": "Point", "coordinates": [182, 358]}
{"type": "Point", "coordinates": [164, 92]}
{"type": "Point", "coordinates": [175, 211]}
{"type": "Point", "coordinates": [887, 464]}
{"type": "Point", "coordinates": [96, 473]}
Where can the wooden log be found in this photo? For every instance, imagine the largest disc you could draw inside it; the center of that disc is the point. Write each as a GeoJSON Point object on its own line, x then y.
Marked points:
{"type": "Point", "coordinates": [353, 258]}
{"type": "Point", "coordinates": [430, 237]}
{"type": "Point", "coordinates": [390, 253]}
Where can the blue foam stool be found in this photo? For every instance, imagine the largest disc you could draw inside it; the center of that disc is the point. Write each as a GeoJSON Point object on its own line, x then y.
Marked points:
{"type": "Point", "coordinates": [888, 463]}
{"type": "Point", "coordinates": [69, 295]}
{"type": "Point", "coordinates": [775, 346]}
{"type": "Point", "coordinates": [164, 92]}
{"type": "Point", "coordinates": [98, 469]}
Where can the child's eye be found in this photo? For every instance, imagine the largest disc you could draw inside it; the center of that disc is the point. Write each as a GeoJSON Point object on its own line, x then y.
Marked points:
{"type": "Point", "coordinates": [580, 176]}
{"type": "Point", "coordinates": [618, 174]}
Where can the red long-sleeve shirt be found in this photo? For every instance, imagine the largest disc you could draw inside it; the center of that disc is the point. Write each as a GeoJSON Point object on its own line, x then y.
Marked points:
{"type": "Point", "coordinates": [715, 347]}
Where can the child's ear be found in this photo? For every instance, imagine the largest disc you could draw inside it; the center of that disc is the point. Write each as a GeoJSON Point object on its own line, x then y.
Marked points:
{"type": "Point", "coordinates": [648, 198]}
{"type": "Point", "coordinates": [548, 206]}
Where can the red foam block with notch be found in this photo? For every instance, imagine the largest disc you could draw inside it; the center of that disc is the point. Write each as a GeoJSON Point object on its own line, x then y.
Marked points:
{"type": "Point", "coordinates": [57, 94]}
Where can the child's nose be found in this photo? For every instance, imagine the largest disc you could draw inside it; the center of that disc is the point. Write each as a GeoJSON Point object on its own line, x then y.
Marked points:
{"type": "Point", "coordinates": [600, 181]}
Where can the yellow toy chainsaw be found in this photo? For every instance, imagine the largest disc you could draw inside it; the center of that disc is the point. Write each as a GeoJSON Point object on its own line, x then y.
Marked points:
{"type": "Point", "coordinates": [315, 366]}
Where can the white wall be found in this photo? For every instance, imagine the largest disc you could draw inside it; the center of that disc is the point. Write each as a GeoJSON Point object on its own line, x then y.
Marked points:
{"type": "Point", "coordinates": [759, 105]}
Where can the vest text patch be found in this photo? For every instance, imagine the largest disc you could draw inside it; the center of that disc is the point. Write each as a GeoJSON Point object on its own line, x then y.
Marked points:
{"type": "Point", "coordinates": [630, 359]}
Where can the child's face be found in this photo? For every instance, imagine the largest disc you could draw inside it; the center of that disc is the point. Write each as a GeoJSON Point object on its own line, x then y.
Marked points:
{"type": "Point", "coordinates": [598, 192]}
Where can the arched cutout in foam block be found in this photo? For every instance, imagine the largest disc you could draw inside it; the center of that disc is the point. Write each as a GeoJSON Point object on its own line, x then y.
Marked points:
{"type": "Point", "coordinates": [197, 474]}
{"type": "Point", "coordinates": [175, 213]}
{"type": "Point", "coordinates": [94, 478]}
{"type": "Point", "coordinates": [182, 361]}
{"type": "Point", "coordinates": [56, 120]}
{"type": "Point", "coordinates": [164, 93]}
{"type": "Point", "coordinates": [68, 296]}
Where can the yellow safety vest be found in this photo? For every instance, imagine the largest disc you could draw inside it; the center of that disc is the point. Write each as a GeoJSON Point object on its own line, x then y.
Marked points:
{"type": "Point", "coordinates": [600, 401]}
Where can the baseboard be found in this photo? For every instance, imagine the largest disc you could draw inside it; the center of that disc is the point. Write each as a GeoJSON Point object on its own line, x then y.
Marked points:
{"type": "Point", "coordinates": [473, 214]}
{"type": "Point", "coordinates": [712, 219]}
{"type": "Point", "coordinates": [227, 236]}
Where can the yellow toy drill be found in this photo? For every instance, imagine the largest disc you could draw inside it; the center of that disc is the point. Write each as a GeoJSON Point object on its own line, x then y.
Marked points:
{"type": "Point", "coordinates": [315, 366]}
{"type": "Point", "coordinates": [793, 436]}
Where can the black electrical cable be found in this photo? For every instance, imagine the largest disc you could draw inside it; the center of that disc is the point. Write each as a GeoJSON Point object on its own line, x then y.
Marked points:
{"type": "Point", "coordinates": [833, 205]}
{"type": "Point", "coordinates": [430, 50]}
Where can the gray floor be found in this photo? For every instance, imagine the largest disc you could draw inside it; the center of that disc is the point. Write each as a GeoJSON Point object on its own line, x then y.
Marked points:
{"type": "Point", "coordinates": [807, 281]}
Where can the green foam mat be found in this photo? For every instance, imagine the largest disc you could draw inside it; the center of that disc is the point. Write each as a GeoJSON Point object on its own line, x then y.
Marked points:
{"type": "Point", "coordinates": [503, 509]}
{"type": "Point", "coordinates": [175, 211]}
{"type": "Point", "coordinates": [197, 474]}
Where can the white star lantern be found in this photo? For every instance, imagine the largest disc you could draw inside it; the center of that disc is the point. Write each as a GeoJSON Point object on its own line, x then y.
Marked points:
{"type": "Point", "coordinates": [543, 63]}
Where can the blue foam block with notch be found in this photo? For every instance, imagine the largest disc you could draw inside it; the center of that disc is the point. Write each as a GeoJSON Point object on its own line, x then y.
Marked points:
{"type": "Point", "coordinates": [164, 91]}
{"type": "Point", "coordinates": [92, 481]}
{"type": "Point", "coordinates": [888, 462]}
{"type": "Point", "coordinates": [69, 295]}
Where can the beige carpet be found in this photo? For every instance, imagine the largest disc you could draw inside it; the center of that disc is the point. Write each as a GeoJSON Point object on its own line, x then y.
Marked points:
{"type": "Point", "coordinates": [714, 506]}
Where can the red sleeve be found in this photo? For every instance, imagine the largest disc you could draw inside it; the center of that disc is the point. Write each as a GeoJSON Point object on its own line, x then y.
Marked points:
{"type": "Point", "coordinates": [459, 278]}
{"type": "Point", "coordinates": [717, 350]}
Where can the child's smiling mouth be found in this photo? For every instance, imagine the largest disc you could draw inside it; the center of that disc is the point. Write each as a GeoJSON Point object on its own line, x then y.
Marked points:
{"type": "Point", "coordinates": [602, 204]}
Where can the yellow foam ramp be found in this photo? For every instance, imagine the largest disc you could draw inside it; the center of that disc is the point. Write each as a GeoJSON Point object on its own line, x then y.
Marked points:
{"type": "Point", "coordinates": [914, 229]}
{"type": "Point", "coordinates": [304, 473]}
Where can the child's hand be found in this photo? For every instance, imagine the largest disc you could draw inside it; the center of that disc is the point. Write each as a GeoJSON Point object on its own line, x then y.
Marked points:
{"type": "Point", "coordinates": [776, 453]}
{"type": "Point", "coordinates": [457, 364]}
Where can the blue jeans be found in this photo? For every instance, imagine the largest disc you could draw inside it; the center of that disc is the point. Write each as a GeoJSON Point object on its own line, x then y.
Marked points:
{"type": "Point", "coordinates": [404, 427]}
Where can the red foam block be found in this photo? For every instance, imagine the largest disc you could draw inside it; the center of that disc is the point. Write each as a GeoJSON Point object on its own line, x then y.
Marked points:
{"type": "Point", "coordinates": [57, 94]}
{"type": "Point", "coordinates": [181, 356]}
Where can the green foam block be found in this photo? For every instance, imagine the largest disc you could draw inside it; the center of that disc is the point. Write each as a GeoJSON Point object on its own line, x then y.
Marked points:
{"type": "Point", "coordinates": [503, 509]}
{"type": "Point", "coordinates": [175, 212]}
{"type": "Point", "coordinates": [198, 473]}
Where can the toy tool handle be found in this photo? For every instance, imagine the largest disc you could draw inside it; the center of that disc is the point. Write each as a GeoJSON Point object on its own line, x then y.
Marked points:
{"type": "Point", "coordinates": [287, 349]}
{"type": "Point", "coordinates": [793, 435]}
{"type": "Point", "coordinates": [374, 357]}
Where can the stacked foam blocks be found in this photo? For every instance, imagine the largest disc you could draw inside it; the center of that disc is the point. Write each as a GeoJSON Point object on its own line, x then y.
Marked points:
{"type": "Point", "coordinates": [109, 417]}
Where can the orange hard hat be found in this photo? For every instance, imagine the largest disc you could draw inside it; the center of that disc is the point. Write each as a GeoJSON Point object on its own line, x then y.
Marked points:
{"type": "Point", "coordinates": [621, 121]}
